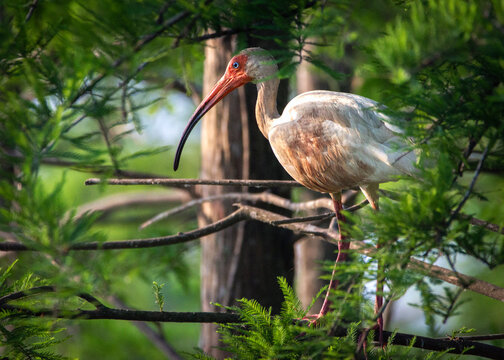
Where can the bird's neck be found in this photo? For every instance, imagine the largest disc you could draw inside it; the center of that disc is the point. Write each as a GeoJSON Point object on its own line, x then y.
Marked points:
{"type": "Point", "coordinates": [266, 105]}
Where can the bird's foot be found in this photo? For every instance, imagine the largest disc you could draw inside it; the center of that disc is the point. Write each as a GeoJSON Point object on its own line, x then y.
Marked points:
{"type": "Point", "coordinates": [313, 320]}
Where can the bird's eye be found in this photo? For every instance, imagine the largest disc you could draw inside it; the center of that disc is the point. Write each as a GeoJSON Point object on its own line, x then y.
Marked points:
{"type": "Point", "coordinates": [236, 65]}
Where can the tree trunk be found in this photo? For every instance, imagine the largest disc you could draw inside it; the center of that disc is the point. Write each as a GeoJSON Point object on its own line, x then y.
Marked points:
{"type": "Point", "coordinates": [244, 260]}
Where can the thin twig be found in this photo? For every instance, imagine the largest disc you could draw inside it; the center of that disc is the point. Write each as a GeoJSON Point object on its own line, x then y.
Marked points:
{"type": "Point", "coordinates": [304, 219]}
{"type": "Point", "coordinates": [50, 289]}
{"type": "Point", "coordinates": [33, 5]}
{"type": "Point", "coordinates": [229, 220]}
{"type": "Point", "coordinates": [216, 34]}
{"type": "Point", "coordinates": [458, 279]}
{"type": "Point", "coordinates": [471, 186]}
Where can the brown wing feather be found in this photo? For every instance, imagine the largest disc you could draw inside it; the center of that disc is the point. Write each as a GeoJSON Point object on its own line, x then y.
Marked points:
{"type": "Point", "coordinates": [331, 141]}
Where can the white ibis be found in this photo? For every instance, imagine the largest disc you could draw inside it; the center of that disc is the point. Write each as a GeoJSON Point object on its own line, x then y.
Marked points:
{"type": "Point", "coordinates": [327, 141]}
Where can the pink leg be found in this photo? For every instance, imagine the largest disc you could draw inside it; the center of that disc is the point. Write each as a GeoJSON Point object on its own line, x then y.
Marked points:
{"type": "Point", "coordinates": [342, 252]}
{"type": "Point", "coordinates": [379, 304]}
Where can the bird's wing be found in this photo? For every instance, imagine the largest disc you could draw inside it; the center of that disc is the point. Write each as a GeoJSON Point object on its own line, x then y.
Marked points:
{"type": "Point", "coordinates": [342, 136]}
{"type": "Point", "coordinates": [364, 119]}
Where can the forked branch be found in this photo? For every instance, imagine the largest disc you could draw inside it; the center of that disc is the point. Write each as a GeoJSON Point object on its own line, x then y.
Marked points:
{"type": "Point", "coordinates": [273, 219]}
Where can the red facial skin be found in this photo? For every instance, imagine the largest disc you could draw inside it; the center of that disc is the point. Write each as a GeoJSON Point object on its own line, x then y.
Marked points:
{"type": "Point", "coordinates": [234, 77]}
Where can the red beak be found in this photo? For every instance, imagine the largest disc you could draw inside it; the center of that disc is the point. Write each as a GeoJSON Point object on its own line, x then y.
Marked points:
{"type": "Point", "coordinates": [225, 85]}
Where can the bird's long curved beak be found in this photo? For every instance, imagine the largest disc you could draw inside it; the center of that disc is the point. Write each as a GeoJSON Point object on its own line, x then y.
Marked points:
{"type": "Point", "coordinates": [225, 85]}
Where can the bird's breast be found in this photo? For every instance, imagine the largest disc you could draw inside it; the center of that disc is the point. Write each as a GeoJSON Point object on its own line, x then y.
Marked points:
{"type": "Point", "coordinates": [319, 156]}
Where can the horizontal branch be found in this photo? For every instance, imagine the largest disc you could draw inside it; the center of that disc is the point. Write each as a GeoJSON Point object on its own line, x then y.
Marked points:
{"type": "Point", "coordinates": [194, 182]}
{"type": "Point", "coordinates": [454, 346]}
{"type": "Point", "coordinates": [264, 197]}
{"type": "Point", "coordinates": [229, 220]}
{"type": "Point", "coordinates": [130, 315]}
{"type": "Point", "coordinates": [268, 217]}
{"type": "Point", "coordinates": [487, 225]}
{"type": "Point", "coordinates": [458, 279]}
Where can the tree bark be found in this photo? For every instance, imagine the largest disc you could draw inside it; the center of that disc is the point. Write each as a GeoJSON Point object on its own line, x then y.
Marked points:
{"type": "Point", "coordinates": [244, 260]}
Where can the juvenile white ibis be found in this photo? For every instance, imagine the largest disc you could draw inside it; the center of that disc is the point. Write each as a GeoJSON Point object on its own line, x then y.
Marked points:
{"type": "Point", "coordinates": [327, 141]}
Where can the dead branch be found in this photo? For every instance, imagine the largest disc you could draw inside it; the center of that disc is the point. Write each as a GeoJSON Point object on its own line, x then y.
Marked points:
{"type": "Point", "coordinates": [194, 182]}
{"type": "Point", "coordinates": [253, 198]}
{"type": "Point", "coordinates": [487, 225]}
{"type": "Point", "coordinates": [31, 9]}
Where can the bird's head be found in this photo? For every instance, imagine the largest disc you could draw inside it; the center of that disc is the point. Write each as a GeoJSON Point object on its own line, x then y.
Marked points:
{"type": "Point", "coordinates": [250, 65]}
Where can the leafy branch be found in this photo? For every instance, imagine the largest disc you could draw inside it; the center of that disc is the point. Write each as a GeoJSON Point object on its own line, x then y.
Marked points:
{"type": "Point", "coordinates": [457, 345]}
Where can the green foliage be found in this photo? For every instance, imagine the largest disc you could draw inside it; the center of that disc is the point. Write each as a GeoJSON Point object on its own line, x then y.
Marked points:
{"type": "Point", "coordinates": [77, 77]}
{"type": "Point", "coordinates": [283, 336]}
{"type": "Point", "coordinates": [25, 338]}
{"type": "Point", "coordinates": [438, 64]}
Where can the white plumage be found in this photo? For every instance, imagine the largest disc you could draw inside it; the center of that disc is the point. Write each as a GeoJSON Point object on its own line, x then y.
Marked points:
{"type": "Point", "coordinates": [327, 141]}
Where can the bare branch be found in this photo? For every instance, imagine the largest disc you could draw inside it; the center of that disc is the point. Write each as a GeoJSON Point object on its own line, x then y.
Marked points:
{"type": "Point", "coordinates": [115, 201]}
{"type": "Point", "coordinates": [455, 278]}
{"type": "Point", "coordinates": [229, 220]}
{"type": "Point", "coordinates": [471, 186]}
{"type": "Point", "coordinates": [216, 34]}
{"type": "Point", "coordinates": [131, 315]}
{"type": "Point", "coordinates": [454, 346]}
{"type": "Point", "coordinates": [281, 202]}
{"type": "Point", "coordinates": [163, 240]}
{"type": "Point", "coordinates": [33, 5]}
{"type": "Point", "coordinates": [264, 197]}
{"type": "Point", "coordinates": [458, 279]}
{"type": "Point", "coordinates": [324, 216]}
{"type": "Point", "coordinates": [194, 182]}
{"type": "Point", "coordinates": [489, 226]}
